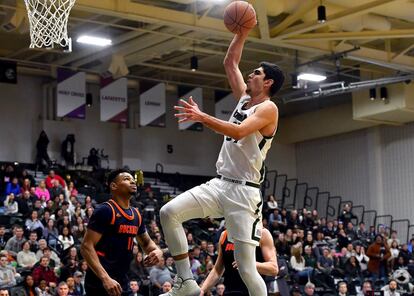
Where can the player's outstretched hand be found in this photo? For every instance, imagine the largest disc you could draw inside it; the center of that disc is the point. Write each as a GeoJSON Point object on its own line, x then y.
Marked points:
{"type": "Point", "coordinates": [153, 258]}
{"type": "Point", "coordinates": [188, 111]}
{"type": "Point", "coordinates": [112, 287]}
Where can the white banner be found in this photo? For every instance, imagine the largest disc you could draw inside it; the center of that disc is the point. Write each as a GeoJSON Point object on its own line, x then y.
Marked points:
{"type": "Point", "coordinates": [224, 106]}
{"type": "Point", "coordinates": [152, 106]}
{"type": "Point", "coordinates": [114, 100]}
{"type": "Point", "coordinates": [71, 94]}
{"type": "Point", "coordinates": [197, 95]}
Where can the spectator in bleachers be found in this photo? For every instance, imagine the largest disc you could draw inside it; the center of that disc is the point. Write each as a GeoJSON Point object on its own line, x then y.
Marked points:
{"type": "Point", "coordinates": [71, 287]}
{"type": "Point", "coordinates": [395, 251]}
{"type": "Point", "coordinates": [34, 224]}
{"type": "Point", "coordinates": [399, 264]}
{"type": "Point", "coordinates": [342, 289]}
{"type": "Point", "coordinates": [169, 263]}
{"type": "Point", "coordinates": [72, 255]}
{"type": "Point", "coordinates": [71, 190]}
{"type": "Point", "coordinates": [309, 289]}
{"type": "Point", "coordinates": [13, 187]}
{"type": "Point", "coordinates": [330, 231]}
{"type": "Point", "coordinates": [26, 258]}
{"type": "Point", "coordinates": [220, 289]}
{"type": "Point", "coordinates": [56, 190]}
{"type": "Point", "coordinates": [134, 288]}
{"type": "Point", "coordinates": [310, 258]}
{"type": "Point", "coordinates": [26, 185]}
{"type": "Point", "coordinates": [361, 257]}
{"type": "Point", "coordinates": [405, 254]}
{"type": "Point", "coordinates": [211, 251]}
{"type": "Point", "coordinates": [298, 264]}
{"type": "Point", "coordinates": [63, 222]}
{"type": "Point", "coordinates": [51, 233]}
{"type": "Point", "coordinates": [166, 287]}
{"type": "Point", "coordinates": [25, 204]}
{"type": "Point", "coordinates": [27, 289]}
{"type": "Point", "coordinates": [362, 233]}
{"type": "Point", "coordinates": [66, 238]}
{"type": "Point", "coordinates": [78, 288]}
{"type": "Point", "coordinates": [352, 269]}
{"type": "Point", "coordinates": [53, 176]}
{"type": "Point", "coordinates": [25, 175]}
{"type": "Point", "coordinates": [275, 219]}
{"type": "Point", "coordinates": [88, 215]}
{"type": "Point", "coordinates": [3, 238]}
{"type": "Point", "coordinates": [394, 237]}
{"type": "Point", "coordinates": [44, 290]}
{"type": "Point", "coordinates": [34, 244]}
{"type": "Point", "coordinates": [54, 260]}
{"type": "Point", "coordinates": [7, 278]}
{"type": "Point", "coordinates": [89, 203]}
{"type": "Point", "coordinates": [343, 240]}
{"type": "Point", "coordinates": [42, 192]}
{"type": "Point", "coordinates": [346, 215]}
{"type": "Point", "coordinates": [271, 202]}
{"type": "Point", "coordinates": [138, 271]}
{"type": "Point", "coordinates": [325, 263]}
{"type": "Point", "coordinates": [15, 243]}
{"type": "Point", "coordinates": [44, 272]}
{"type": "Point", "coordinates": [293, 220]}
{"type": "Point", "coordinates": [159, 275]}
{"type": "Point", "coordinates": [11, 205]}
{"type": "Point", "coordinates": [62, 289]}
{"type": "Point", "coordinates": [411, 246]}
{"type": "Point", "coordinates": [282, 246]}
{"type": "Point", "coordinates": [391, 288]}
{"type": "Point", "coordinates": [350, 231]}
{"type": "Point", "coordinates": [378, 253]}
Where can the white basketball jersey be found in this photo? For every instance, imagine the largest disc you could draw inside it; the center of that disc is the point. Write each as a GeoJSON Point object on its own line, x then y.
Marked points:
{"type": "Point", "coordinates": [243, 159]}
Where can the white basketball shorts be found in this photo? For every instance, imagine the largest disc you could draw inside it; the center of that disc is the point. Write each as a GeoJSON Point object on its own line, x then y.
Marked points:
{"type": "Point", "coordinates": [240, 205]}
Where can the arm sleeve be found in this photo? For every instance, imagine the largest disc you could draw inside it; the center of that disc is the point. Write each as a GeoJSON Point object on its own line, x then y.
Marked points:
{"type": "Point", "coordinates": [142, 229]}
{"type": "Point", "coordinates": [101, 218]}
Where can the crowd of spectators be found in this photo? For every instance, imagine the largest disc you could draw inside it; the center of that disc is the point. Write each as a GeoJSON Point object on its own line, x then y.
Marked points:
{"type": "Point", "coordinates": [39, 248]}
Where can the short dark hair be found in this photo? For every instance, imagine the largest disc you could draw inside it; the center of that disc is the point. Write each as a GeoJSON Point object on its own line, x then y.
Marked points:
{"type": "Point", "coordinates": [115, 173]}
{"type": "Point", "coordinates": [272, 71]}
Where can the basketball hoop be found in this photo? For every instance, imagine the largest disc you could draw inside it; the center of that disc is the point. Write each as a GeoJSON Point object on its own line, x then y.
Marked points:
{"type": "Point", "coordinates": [48, 23]}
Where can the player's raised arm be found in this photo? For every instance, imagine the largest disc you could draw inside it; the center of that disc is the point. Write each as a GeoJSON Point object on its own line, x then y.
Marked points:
{"type": "Point", "coordinates": [231, 65]}
{"type": "Point", "coordinates": [89, 253]}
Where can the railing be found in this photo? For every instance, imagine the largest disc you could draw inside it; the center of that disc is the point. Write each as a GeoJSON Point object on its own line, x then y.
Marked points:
{"type": "Point", "coordinates": [292, 194]}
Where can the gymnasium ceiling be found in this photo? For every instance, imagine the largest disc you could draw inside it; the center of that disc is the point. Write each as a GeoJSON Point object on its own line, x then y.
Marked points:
{"type": "Point", "coordinates": [156, 39]}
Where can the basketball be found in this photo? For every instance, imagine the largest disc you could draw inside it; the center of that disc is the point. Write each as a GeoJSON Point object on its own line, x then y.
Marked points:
{"type": "Point", "coordinates": [239, 17]}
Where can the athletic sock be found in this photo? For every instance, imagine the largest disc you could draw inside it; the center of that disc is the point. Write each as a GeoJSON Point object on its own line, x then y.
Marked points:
{"type": "Point", "coordinates": [183, 268]}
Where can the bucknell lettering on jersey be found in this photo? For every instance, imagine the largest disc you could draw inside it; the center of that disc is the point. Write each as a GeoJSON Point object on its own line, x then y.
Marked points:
{"type": "Point", "coordinates": [128, 229]}
{"type": "Point", "coordinates": [229, 247]}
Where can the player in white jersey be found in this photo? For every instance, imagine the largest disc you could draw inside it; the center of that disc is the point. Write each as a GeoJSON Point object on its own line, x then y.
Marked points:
{"type": "Point", "coordinates": [235, 193]}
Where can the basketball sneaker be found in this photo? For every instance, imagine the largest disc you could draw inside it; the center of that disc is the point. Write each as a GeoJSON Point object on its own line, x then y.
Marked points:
{"type": "Point", "coordinates": [182, 287]}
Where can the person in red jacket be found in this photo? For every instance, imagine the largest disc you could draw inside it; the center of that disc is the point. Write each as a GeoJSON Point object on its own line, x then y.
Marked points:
{"type": "Point", "coordinates": [52, 176]}
{"type": "Point", "coordinates": [44, 272]}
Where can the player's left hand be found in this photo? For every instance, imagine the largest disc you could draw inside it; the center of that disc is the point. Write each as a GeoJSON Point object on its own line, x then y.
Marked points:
{"type": "Point", "coordinates": [189, 111]}
{"type": "Point", "coordinates": [234, 264]}
{"type": "Point", "coordinates": [153, 258]}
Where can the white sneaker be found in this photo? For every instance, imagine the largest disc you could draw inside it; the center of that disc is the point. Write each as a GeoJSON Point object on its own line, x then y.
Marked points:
{"type": "Point", "coordinates": [182, 287]}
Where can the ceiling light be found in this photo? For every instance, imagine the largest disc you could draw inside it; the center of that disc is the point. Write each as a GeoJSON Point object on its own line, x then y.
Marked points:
{"type": "Point", "coordinates": [94, 40]}
{"type": "Point", "coordinates": [321, 14]}
{"type": "Point", "coordinates": [194, 63]}
{"type": "Point", "coordinates": [311, 77]}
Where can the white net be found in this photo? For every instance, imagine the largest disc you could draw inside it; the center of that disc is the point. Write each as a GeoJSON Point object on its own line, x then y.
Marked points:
{"type": "Point", "coordinates": [48, 23]}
